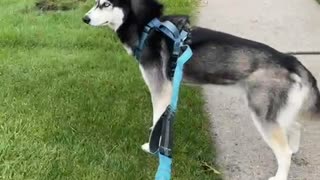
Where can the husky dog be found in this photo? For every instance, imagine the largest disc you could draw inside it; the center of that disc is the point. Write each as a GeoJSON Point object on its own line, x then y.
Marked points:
{"type": "Point", "coordinates": [278, 88]}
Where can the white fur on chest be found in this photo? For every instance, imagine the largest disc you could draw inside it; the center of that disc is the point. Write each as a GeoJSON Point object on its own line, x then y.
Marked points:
{"type": "Point", "coordinates": [128, 49]}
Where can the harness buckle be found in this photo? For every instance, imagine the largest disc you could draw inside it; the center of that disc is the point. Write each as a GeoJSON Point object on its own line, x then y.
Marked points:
{"type": "Point", "coordinates": [165, 151]}
{"type": "Point", "coordinates": [176, 49]}
{"type": "Point", "coordinates": [146, 29]}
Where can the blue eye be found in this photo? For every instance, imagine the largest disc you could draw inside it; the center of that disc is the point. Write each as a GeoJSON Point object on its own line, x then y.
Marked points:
{"type": "Point", "coordinates": [106, 4]}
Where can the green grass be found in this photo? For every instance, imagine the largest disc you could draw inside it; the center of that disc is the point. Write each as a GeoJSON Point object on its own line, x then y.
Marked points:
{"type": "Point", "coordinates": [74, 106]}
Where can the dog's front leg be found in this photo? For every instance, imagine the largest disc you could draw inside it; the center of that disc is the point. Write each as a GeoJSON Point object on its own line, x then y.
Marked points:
{"type": "Point", "coordinates": [160, 101]}
{"type": "Point", "coordinates": [161, 90]}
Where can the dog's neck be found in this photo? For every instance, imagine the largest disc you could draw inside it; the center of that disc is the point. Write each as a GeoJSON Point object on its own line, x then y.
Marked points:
{"type": "Point", "coordinates": [130, 33]}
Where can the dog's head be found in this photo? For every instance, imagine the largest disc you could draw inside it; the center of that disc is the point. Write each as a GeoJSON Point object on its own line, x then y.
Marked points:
{"type": "Point", "coordinates": [114, 13]}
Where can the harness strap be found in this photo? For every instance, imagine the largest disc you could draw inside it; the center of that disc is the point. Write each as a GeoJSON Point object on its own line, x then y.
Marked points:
{"type": "Point", "coordinates": [155, 23]}
{"type": "Point", "coordinates": [167, 28]}
{"type": "Point", "coordinates": [172, 32]}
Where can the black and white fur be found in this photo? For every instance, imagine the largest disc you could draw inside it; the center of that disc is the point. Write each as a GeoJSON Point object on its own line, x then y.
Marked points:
{"type": "Point", "coordinates": [278, 88]}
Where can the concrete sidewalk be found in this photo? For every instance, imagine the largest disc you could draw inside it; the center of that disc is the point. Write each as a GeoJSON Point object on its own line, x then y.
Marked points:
{"type": "Point", "coordinates": [287, 25]}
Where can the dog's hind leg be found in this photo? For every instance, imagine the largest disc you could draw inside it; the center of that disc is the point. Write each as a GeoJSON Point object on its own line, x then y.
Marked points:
{"type": "Point", "coordinates": [278, 142]}
{"type": "Point", "coordinates": [297, 95]}
{"type": "Point", "coordinates": [275, 98]}
{"type": "Point", "coordinates": [276, 137]}
{"type": "Point", "coordinates": [161, 90]}
{"type": "Point", "coordinates": [294, 133]}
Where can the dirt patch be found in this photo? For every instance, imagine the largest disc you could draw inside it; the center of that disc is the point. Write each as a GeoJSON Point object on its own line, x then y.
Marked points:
{"type": "Point", "coordinates": [57, 5]}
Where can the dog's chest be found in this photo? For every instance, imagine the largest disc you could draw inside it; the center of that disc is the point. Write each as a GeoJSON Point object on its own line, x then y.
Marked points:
{"type": "Point", "coordinates": [128, 49]}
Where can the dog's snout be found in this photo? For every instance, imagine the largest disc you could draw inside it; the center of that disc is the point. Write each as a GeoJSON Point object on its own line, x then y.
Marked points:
{"type": "Point", "coordinates": [86, 19]}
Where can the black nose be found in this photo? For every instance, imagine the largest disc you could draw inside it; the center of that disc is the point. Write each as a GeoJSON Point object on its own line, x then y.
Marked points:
{"type": "Point", "coordinates": [86, 19]}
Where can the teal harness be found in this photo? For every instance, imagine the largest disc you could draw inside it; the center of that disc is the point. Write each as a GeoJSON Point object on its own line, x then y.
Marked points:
{"type": "Point", "coordinates": [161, 138]}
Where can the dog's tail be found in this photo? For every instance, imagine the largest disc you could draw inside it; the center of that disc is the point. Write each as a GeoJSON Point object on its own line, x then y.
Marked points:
{"type": "Point", "coordinates": [314, 108]}
{"type": "Point", "coordinates": [311, 109]}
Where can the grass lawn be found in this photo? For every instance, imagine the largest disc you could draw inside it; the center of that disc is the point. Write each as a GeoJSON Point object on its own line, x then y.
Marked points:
{"type": "Point", "coordinates": [74, 106]}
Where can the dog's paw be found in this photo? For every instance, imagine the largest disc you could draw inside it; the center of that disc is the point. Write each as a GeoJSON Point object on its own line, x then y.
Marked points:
{"type": "Point", "coordinates": [146, 148]}
{"type": "Point", "coordinates": [276, 178]}
{"type": "Point", "coordinates": [273, 178]}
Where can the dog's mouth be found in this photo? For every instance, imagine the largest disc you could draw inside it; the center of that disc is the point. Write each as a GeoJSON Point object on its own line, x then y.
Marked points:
{"type": "Point", "coordinates": [105, 24]}
{"type": "Point", "coordinates": [99, 25]}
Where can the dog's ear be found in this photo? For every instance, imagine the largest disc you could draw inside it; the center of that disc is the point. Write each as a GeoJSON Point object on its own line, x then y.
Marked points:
{"type": "Point", "coordinates": [145, 10]}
